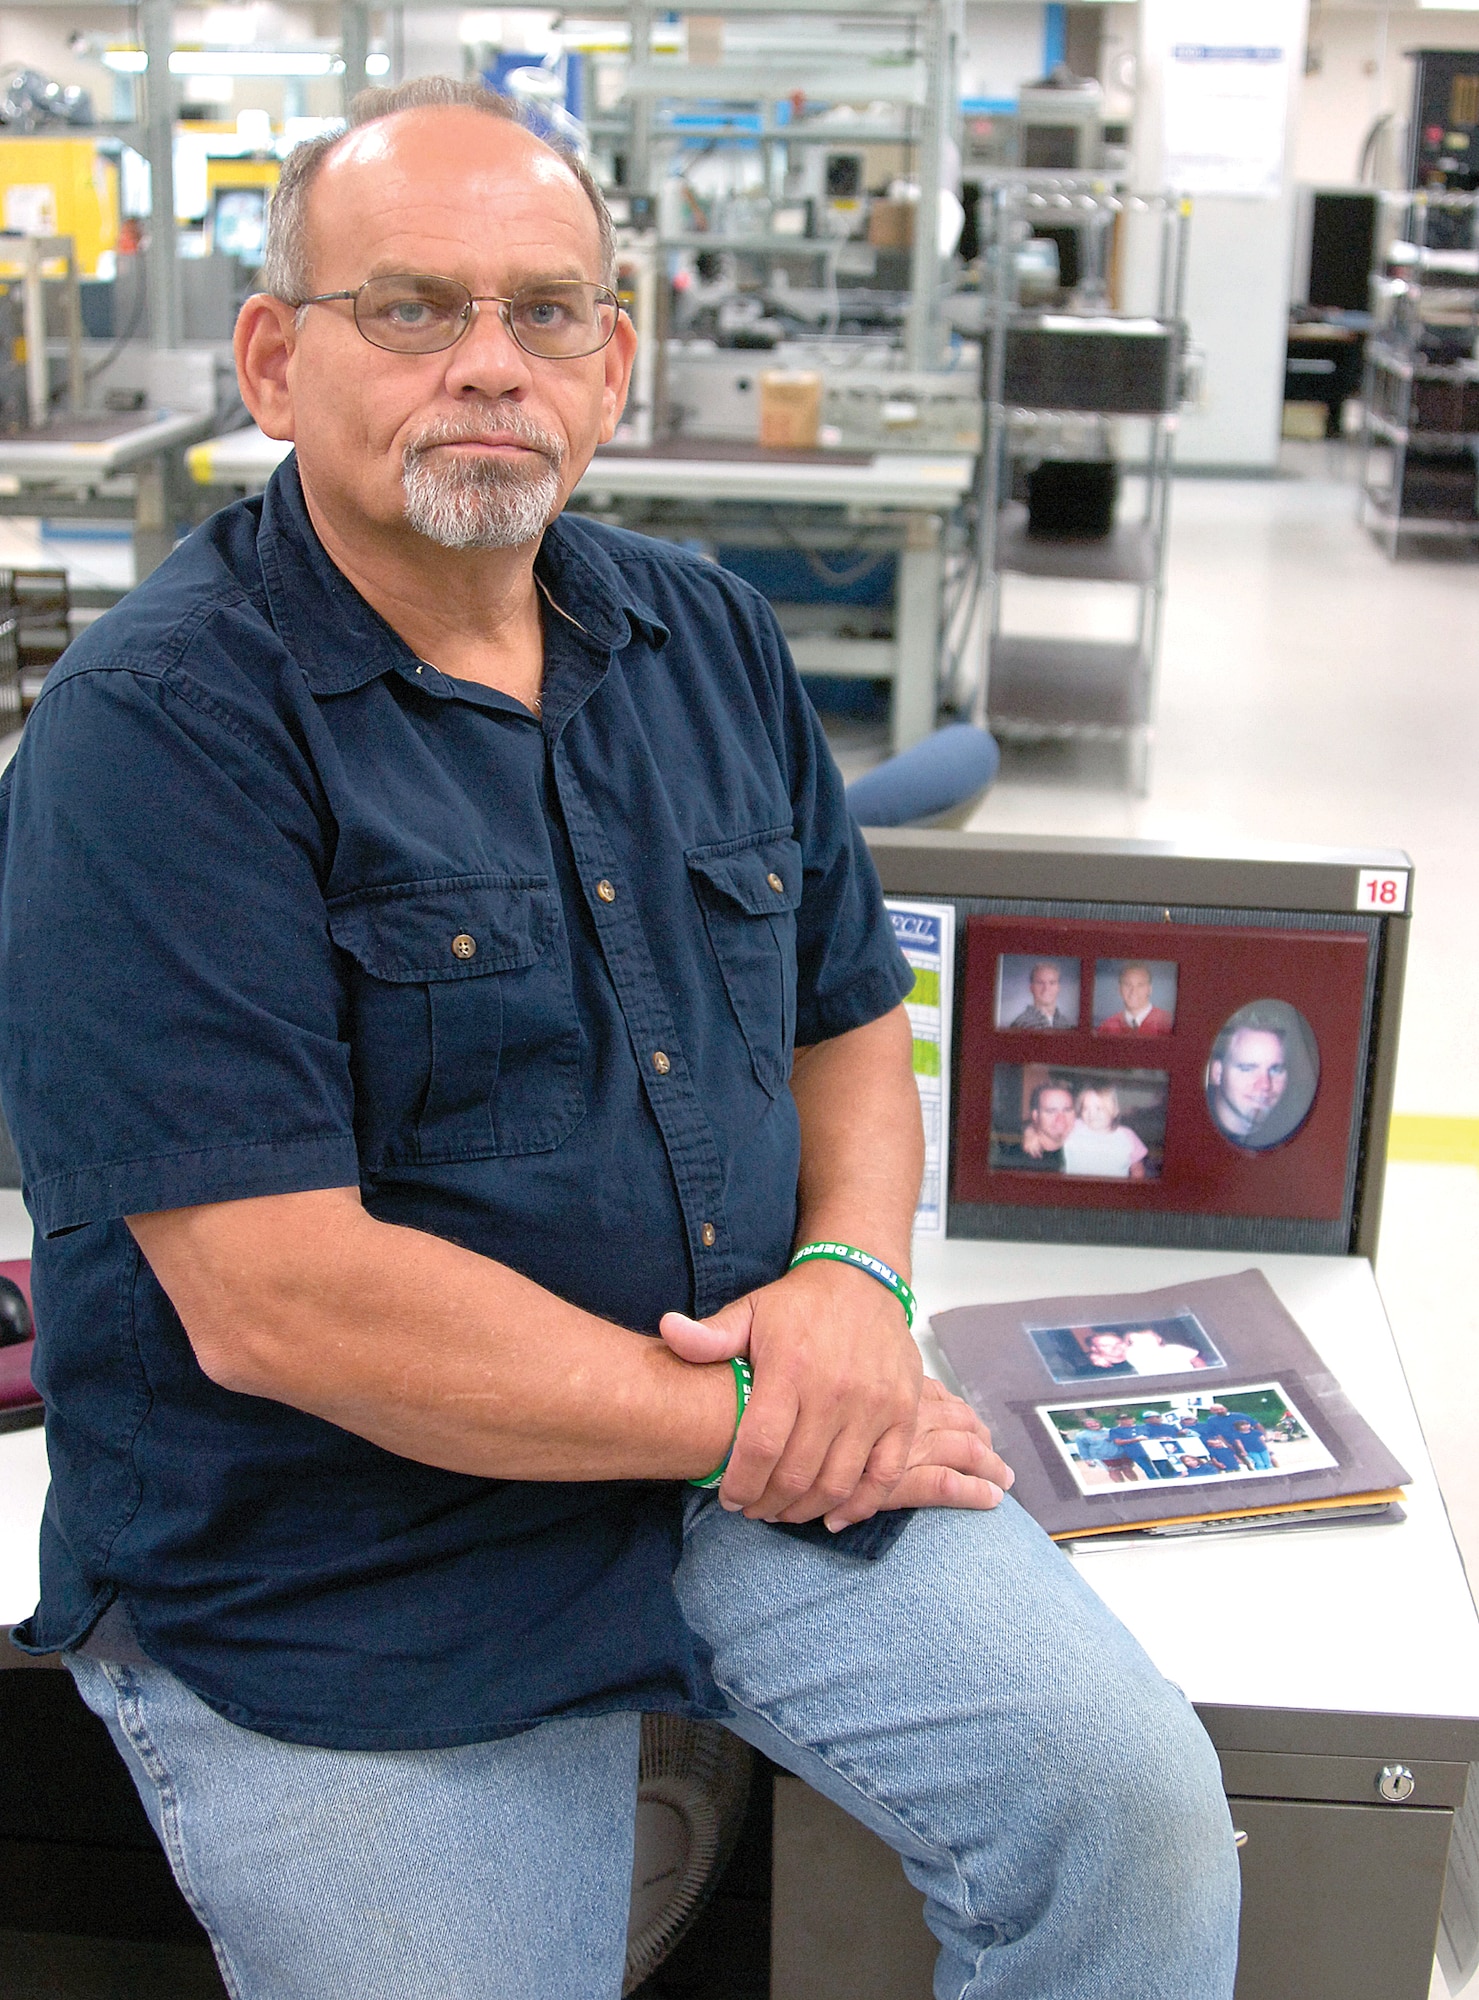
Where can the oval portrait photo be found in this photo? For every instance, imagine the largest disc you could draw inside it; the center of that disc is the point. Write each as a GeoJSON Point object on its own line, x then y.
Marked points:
{"type": "Point", "coordinates": [1262, 1075]}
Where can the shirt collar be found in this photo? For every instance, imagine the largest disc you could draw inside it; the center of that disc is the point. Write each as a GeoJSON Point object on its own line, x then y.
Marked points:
{"type": "Point", "coordinates": [340, 642]}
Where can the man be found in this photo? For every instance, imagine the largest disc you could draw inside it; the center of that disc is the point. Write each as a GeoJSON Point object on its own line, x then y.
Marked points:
{"type": "Point", "coordinates": [1127, 1434]}
{"type": "Point", "coordinates": [1218, 1434]}
{"type": "Point", "coordinates": [1095, 1446]}
{"type": "Point", "coordinates": [1246, 1080]}
{"type": "Point", "coordinates": [1050, 1117]}
{"type": "Point", "coordinates": [1108, 1354]}
{"type": "Point", "coordinates": [443, 885]}
{"type": "Point", "coordinates": [1044, 1011]}
{"type": "Point", "coordinates": [1137, 1016]}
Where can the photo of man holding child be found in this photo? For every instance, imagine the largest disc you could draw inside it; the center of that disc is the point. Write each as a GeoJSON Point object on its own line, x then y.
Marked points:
{"type": "Point", "coordinates": [1099, 1124]}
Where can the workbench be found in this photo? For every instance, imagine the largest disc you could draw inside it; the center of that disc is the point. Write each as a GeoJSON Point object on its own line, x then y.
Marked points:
{"type": "Point", "coordinates": [71, 456]}
{"type": "Point", "coordinates": [889, 502]}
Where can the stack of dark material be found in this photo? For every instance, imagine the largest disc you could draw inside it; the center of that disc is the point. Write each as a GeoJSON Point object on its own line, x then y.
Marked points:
{"type": "Point", "coordinates": [37, 604]}
{"type": "Point", "coordinates": [1445, 403]}
{"type": "Point", "coordinates": [1438, 486]}
{"type": "Point", "coordinates": [1072, 499]}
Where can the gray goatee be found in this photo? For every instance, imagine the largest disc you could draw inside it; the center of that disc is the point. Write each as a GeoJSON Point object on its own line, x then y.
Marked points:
{"type": "Point", "coordinates": [482, 503]}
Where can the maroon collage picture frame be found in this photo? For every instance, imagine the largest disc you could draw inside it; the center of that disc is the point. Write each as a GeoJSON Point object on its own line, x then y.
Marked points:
{"type": "Point", "coordinates": [1186, 1164]}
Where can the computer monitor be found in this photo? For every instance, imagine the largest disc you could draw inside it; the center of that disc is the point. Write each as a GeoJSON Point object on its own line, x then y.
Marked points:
{"type": "Point", "coordinates": [238, 223]}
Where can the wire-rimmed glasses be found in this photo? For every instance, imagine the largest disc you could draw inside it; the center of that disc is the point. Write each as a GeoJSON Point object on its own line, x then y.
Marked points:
{"type": "Point", "coordinates": [558, 319]}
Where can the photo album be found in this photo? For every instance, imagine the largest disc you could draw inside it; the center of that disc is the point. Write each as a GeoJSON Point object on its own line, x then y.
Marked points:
{"type": "Point", "coordinates": [1196, 1407]}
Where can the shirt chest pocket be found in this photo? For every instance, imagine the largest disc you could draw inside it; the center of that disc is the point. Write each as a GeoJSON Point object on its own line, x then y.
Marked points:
{"type": "Point", "coordinates": [463, 1027]}
{"type": "Point", "coordinates": [749, 891]}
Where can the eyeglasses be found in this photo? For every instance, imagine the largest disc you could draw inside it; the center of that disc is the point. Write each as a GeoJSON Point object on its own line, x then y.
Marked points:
{"type": "Point", "coordinates": [559, 319]}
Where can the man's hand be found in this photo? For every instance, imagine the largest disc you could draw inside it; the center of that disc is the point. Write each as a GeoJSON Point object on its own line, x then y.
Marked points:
{"type": "Point", "coordinates": [951, 1462]}
{"type": "Point", "coordinates": [836, 1392]}
{"type": "Point", "coordinates": [940, 1457]}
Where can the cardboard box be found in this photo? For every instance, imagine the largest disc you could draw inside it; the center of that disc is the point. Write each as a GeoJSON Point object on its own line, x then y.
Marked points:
{"type": "Point", "coordinates": [790, 408]}
{"type": "Point", "coordinates": [891, 224]}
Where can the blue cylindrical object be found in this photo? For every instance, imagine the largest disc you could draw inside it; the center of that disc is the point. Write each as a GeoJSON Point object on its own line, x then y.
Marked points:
{"type": "Point", "coordinates": [929, 778]}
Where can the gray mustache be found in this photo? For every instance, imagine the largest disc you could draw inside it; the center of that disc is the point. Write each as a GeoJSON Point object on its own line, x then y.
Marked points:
{"type": "Point", "coordinates": [500, 422]}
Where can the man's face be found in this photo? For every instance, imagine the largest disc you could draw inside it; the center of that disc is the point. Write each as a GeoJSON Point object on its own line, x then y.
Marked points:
{"type": "Point", "coordinates": [1052, 1116]}
{"type": "Point", "coordinates": [1106, 1350]}
{"type": "Point", "coordinates": [480, 433]}
{"type": "Point", "coordinates": [1250, 1079]}
{"type": "Point", "coordinates": [1135, 988]}
{"type": "Point", "coordinates": [1044, 984]}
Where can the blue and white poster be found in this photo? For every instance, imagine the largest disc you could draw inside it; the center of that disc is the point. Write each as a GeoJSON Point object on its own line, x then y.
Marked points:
{"type": "Point", "coordinates": [926, 936]}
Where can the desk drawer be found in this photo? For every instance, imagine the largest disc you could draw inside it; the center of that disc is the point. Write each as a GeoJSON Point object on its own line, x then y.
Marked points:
{"type": "Point", "coordinates": [1340, 1780]}
{"type": "Point", "coordinates": [1340, 1902]}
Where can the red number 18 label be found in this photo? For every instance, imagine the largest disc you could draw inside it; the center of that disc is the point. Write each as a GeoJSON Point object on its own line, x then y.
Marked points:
{"type": "Point", "coordinates": [1384, 893]}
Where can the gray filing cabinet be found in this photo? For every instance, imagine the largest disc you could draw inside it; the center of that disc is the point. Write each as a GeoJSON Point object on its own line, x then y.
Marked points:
{"type": "Point", "coordinates": [1342, 1886]}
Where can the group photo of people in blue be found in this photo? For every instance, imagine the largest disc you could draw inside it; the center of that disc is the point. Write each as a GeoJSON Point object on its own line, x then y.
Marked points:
{"type": "Point", "coordinates": [1244, 1434]}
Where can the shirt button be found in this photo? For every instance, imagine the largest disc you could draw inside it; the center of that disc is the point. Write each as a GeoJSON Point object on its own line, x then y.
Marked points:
{"type": "Point", "coordinates": [709, 1234]}
{"type": "Point", "coordinates": [776, 883]}
{"type": "Point", "coordinates": [464, 946]}
{"type": "Point", "coordinates": [605, 891]}
{"type": "Point", "coordinates": [660, 1062]}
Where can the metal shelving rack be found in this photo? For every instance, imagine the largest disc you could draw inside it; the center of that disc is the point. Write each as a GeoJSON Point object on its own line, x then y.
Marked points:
{"type": "Point", "coordinates": [1403, 392]}
{"type": "Point", "coordinates": [919, 79]}
{"type": "Point", "coordinates": [1035, 688]}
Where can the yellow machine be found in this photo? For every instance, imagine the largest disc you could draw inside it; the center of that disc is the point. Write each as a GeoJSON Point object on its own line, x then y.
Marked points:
{"type": "Point", "coordinates": [61, 187]}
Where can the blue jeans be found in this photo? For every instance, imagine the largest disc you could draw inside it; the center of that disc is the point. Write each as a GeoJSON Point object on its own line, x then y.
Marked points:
{"type": "Point", "coordinates": [968, 1697]}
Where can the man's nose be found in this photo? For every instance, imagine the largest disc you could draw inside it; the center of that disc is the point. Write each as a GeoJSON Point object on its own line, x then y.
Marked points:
{"type": "Point", "coordinates": [487, 360]}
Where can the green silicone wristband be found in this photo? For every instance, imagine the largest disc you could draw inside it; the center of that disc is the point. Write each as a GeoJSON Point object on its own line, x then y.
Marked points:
{"type": "Point", "coordinates": [744, 1381]}
{"type": "Point", "coordinates": [844, 1253]}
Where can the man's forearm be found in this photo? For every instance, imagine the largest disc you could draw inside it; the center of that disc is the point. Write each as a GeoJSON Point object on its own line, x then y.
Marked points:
{"type": "Point", "coordinates": [862, 1139]}
{"type": "Point", "coordinates": [427, 1349]}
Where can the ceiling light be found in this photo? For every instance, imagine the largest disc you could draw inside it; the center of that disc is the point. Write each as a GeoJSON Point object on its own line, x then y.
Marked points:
{"type": "Point", "coordinates": [254, 62]}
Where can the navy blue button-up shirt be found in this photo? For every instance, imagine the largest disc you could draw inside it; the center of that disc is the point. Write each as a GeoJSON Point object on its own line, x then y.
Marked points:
{"type": "Point", "coordinates": [284, 907]}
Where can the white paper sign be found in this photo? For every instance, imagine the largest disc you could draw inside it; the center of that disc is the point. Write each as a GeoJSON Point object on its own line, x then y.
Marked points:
{"type": "Point", "coordinates": [1226, 98]}
{"type": "Point", "coordinates": [926, 935]}
{"type": "Point", "coordinates": [30, 209]}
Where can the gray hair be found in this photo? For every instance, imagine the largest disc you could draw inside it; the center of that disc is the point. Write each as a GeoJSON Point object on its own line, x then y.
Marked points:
{"type": "Point", "coordinates": [286, 272]}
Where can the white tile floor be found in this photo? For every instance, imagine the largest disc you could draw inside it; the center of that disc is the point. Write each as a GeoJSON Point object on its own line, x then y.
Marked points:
{"type": "Point", "coordinates": [1311, 691]}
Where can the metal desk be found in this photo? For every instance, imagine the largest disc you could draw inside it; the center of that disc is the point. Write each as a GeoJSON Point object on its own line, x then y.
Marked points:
{"type": "Point", "coordinates": [1352, 1649]}
{"type": "Point", "coordinates": [73, 454]}
{"type": "Point", "coordinates": [1316, 1659]}
{"type": "Point", "coordinates": [893, 502]}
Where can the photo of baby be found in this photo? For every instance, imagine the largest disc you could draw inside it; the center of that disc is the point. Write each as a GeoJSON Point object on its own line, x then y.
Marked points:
{"type": "Point", "coordinates": [1175, 1346]}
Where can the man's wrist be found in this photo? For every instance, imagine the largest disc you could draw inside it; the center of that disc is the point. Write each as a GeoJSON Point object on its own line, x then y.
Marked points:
{"type": "Point", "coordinates": [830, 1251]}
{"type": "Point", "coordinates": [834, 1277]}
{"type": "Point", "coordinates": [702, 1401]}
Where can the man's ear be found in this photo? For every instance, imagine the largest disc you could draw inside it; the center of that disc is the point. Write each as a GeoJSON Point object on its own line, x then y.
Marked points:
{"type": "Point", "coordinates": [621, 352]}
{"type": "Point", "coordinates": [266, 335]}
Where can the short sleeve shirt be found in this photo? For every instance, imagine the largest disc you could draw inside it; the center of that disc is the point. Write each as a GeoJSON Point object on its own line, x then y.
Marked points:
{"type": "Point", "coordinates": [285, 907]}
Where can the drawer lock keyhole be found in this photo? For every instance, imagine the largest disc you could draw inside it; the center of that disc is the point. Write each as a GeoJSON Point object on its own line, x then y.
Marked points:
{"type": "Point", "coordinates": [1396, 1783]}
